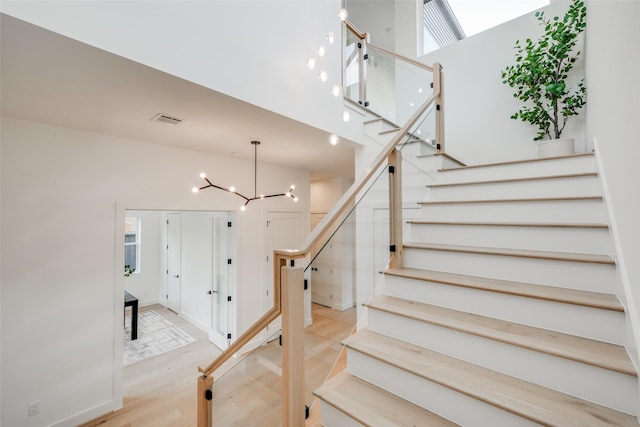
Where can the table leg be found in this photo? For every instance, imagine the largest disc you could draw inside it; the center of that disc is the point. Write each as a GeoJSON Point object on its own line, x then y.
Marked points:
{"type": "Point", "coordinates": [134, 321]}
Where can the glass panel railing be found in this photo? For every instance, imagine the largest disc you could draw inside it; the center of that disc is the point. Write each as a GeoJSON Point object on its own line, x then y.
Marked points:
{"type": "Point", "coordinates": [395, 88]}
{"type": "Point", "coordinates": [351, 67]}
{"type": "Point", "coordinates": [247, 389]}
{"type": "Point", "coordinates": [341, 277]}
{"type": "Point", "coordinates": [420, 161]}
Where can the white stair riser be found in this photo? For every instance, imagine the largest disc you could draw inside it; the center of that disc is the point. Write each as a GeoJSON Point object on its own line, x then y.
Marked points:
{"type": "Point", "coordinates": [556, 211]}
{"type": "Point", "coordinates": [557, 187]}
{"type": "Point", "coordinates": [592, 323]}
{"type": "Point", "coordinates": [332, 417]}
{"type": "Point", "coordinates": [447, 403]}
{"type": "Point", "coordinates": [562, 239]}
{"type": "Point", "coordinates": [567, 274]}
{"type": "Point", "coordinates": [571, 165]}
{"type": "Point", "coordinates": [605, 387]}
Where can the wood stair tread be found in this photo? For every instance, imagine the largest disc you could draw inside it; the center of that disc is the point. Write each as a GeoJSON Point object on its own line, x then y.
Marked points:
{"type": "Point", "coordinates": [522, 253]}
{"type": "Point", "coordinates": [502, 181]}
{"type": "Point", "coordinates": [373, 406]}
{"type": "Point", "coordinates": [570, 347]}
{"type": "Point", "coordinates": [512, 224]}
{"type": "Point", "coordinates": [548, 293]}
{"type": "Point", "coordinates": [513, 162]}
{"type": "Point", "coordinates": [525, 399]}
{"type": "Point", "coordinates": [523, 199]}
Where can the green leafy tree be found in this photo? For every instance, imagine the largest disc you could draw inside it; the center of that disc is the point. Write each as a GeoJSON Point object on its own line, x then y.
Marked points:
{"type": "Point", "coordinates": [539, 76]}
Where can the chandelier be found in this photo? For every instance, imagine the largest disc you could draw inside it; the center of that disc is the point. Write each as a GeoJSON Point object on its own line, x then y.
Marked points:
{"type": "Point", "coordinates": [232, 189]}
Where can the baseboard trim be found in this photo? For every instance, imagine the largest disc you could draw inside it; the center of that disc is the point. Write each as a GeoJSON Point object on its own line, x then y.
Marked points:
{"type": "Point", "coordinates": [88, 415]}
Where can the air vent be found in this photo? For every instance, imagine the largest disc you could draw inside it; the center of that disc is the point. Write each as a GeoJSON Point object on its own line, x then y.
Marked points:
{"type": "Point", "coordinates": [166, 119]}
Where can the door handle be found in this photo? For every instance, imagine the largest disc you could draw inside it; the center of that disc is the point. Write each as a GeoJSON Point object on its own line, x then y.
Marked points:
{"type": "Point", "coordinates": [177, 276]}
{"type": "Point", "coordinates": [212, 292]}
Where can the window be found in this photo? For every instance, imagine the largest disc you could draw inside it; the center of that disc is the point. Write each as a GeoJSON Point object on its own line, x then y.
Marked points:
{"type": "Point", "coordinates": [131, 244]}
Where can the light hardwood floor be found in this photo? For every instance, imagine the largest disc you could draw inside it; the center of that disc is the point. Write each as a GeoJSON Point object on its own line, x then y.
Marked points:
{"type": "Point", "coordinates": [161, 391]}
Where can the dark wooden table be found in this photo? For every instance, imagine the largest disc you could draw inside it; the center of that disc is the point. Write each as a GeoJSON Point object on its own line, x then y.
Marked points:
{"type": "Point", "coordinates": [131, 301]}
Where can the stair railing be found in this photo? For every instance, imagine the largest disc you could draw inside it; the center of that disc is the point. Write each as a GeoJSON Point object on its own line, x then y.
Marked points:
{"type": "Point", "coordinates": [400, 72]}
{"type": "Point", "coordinates": [288, 295]}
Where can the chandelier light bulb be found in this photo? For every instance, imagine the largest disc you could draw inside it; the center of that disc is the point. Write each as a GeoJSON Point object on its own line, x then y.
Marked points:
{"type": "Point", "coordinates": [331, 37]}
{"type": "Point", "coordinates": [311, 63]}
{"type": "Point", "coordinates": [321, 51]}
{"type": "Point", "coordinates": [295, 199]}
{"type": "Point", "coordinates": [232, 189]}
{"type": "Point", "coordinates": [333, 139]}
{"type": "Point", "coordinates": [335, 90]}
{"type": "Point", "coordinates": [343, 14]}
{"type": "Point", "coordinates": [346, 115]}
{"type": "Point", "coordinates": [323, 76]}
{"type": "Point", "coordinates": [203, 175]}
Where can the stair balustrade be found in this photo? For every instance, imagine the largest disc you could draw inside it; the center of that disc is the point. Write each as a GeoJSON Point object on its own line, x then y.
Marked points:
{"type": "Point", "coordinates": [288, 295]}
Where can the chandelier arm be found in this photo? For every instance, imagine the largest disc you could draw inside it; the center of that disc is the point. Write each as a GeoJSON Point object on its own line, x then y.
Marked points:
{"type": "Point", "coordinates": [255, 183]}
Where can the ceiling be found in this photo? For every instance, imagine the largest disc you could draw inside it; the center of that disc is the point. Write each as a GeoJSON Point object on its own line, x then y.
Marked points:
{"type": "Point", "coordinates": [49, 78]}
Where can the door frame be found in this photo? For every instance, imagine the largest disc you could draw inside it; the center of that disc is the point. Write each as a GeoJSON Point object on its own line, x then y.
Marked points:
{"type": "Point", "coordinates": [121, 207]}
{"type": "Point", "coordinates": [167, 253]}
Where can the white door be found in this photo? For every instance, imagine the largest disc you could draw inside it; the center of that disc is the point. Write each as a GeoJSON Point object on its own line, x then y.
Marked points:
{"type": "Point", "coordinates": [173, 261]}
{"type": "Point", "coordinates": [220, 292]}
{"type": "Point", "coordinates": [284, 231]}
{"type": "Point", "coordinates": [322, 269]}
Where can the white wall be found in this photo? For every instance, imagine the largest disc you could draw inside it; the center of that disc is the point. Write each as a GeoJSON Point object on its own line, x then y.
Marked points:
{"type": "Point", "coordinates": [478, 106]}
{"type": "Point", "coordinates": [254, 50]}
{"type": "Point", "coordinates": [326, 192]}
{"type": "Point", "coordinates": [612, 65]}
{"type": "Point", "coordinates": [147, 283]}
{"type": "Point", "coordinates": [64, 196]}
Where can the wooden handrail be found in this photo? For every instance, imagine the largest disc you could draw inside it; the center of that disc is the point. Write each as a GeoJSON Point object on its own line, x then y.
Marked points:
{"type": "Point", "coordinates": [280, 255]}
{"type": "Point", "coordinates": [354, 30]}
{"type": "Point", "coordinates": [403, 58]}
{"type": "Point", "coordinates": [349, 197]}
{"type": "Point", "coordinates": [254, 330]}
{"type": "Point", "coordinates": [327, 225]}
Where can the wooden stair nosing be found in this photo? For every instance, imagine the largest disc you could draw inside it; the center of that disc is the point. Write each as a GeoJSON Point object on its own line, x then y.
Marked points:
{"type": "Point", "coordinates": [591, 352]}
{"type": "Point", "coordinates": [520, 253]}
{"type": "Point", "coordinates": [522, 398]}
{"type": "Point", "coordinates": [384, 132]}
{"type": "Point", "coordinates": [513, 162]}
{"type": "Point", "coordinates": [444, 154]}
{"type": "Point", "coordinates": [379, 119]}
{"type": "Point", "coordinates": [371, 405]}
{"type": "Point", "coordinates": [502, 181]}
{"type": "Point", "coordinates": [527, 290]}
{"type": "Point", "coordinates": [511, 224]}
{"type": "Point", "coordinates": [524, 199]}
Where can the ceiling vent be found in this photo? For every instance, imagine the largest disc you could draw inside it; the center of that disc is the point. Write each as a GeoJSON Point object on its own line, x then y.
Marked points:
{"type": "Point", "coordinates": [166, 119]}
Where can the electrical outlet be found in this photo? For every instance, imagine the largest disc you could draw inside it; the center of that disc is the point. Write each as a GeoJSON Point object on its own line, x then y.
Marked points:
{"type": "Point", "coordinates": [34, 408]}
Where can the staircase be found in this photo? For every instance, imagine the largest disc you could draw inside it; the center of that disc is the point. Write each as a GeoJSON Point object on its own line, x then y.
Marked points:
{"type": "Point", "coordinates": [503, 314]}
